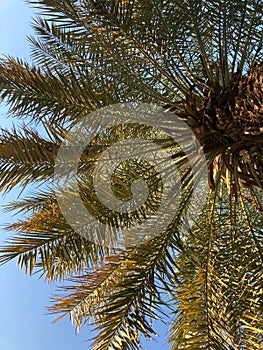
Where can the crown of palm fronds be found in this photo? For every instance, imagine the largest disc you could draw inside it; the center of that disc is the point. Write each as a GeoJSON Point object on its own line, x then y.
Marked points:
{"type": "Point", "coordinates": [200, 59]}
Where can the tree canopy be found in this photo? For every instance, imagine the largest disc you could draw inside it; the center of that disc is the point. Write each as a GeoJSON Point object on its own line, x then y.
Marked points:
{"type": "Point", "coordinates": [202, 62]}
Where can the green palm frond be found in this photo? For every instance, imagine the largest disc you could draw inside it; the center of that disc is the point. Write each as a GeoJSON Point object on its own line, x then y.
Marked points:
{"type": "Point", "coordinates": [22, 150]}
{"type": "Point", "coordinates": [126, 35]}
{"type": "Point", "coordinates": [44, 94]}
{"type": "Point", "coordinates": [56, 48]}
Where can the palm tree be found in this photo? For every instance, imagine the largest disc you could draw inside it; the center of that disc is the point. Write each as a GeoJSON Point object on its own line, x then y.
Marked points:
{"type": "Point", "coordinates": [201, 60]}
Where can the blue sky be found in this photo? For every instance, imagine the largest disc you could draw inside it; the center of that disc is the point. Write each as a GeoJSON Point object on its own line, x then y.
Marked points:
{"type": "Point", "coordinates": [24, 324]}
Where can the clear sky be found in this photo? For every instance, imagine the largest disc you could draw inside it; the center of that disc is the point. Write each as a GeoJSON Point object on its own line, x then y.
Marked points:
{"type": "Point", "coordinates": [24, 324]}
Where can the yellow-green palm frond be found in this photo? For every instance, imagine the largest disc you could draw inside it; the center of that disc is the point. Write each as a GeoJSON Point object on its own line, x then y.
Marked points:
{"type": "Point", "coordinates": [221, 279]}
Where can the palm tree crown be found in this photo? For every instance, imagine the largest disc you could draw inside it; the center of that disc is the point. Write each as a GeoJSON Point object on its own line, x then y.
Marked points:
{"type": "Point", "coordinates": [201, 61]}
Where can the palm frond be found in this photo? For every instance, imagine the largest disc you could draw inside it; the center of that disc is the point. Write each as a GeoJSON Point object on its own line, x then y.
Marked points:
{"type": "Point", "coordinates": [45, 241]}
{"type": "Point", "coordinates": [214, 300]}
{"type": "Point", "coordinates": [120, 295]}
{"type": "Point", "coordinates": [42, 94]}
{"type": "Point", "coordinates": [21, 150]}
